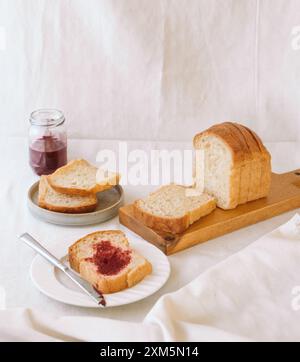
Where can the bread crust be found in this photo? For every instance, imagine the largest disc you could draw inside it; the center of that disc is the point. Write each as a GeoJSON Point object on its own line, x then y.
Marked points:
{"type": "Point", "coordinates": [222, 132]}
{"type": "Point", "coordinates": [245, 168]}
{"type": "Point", "coordinates": [117, 283]}
{"type": "Point", "coordinates": [112, 284]}
{"type": "Point", "coordinates": [136, 275]}
{"type": "Point", "coordinates": [78, 190]}
{"type": "Point", "coordinates": [256, 164]}
{"type": "Point", "coordinates": [43, 189]}
{"type": "Point", "coordinates": [265, 182]}
{"type": "Point", "coordinates": [251, 169]}
{"type": "Point", "coordinates": [174, 225]}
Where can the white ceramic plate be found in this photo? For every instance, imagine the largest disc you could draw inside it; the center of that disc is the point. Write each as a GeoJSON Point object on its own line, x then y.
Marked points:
{"type": "Point", "coordinates": [109, 203]}
{"type": "Point", "coordinates": [53, 283]}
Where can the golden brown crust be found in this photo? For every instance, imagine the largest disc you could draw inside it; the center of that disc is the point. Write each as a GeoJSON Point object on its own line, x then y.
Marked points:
{"type": "Point", "coordinates": [174, 225]}
{"type": "Point", "coordinates": [65, 210]}
{"type": "Point", "coordinates": [245, 171]}
{"type": "Point", "coordinates": [255, 165]}
{"type": "Point", "coordinates": [235, 180]}
{"type": "Point", "coordinates": [117, 283]}
{"type": "Point", "coordinates": [167, 224]}
{"type": "Point", "coordinates": [251, 171]}
{"type": "Point", "coordinates": [223, 132]}
{"type": "Point", "coordinates": [103, 285]}
{"type": "Point", "coordinates": [42, 191]}
{"type": "Point", "coordinates": [78, 191]}
{"type": "Point", "coordinates": [265, 183]}
{"type": "Point", "coordinates": [137, 274]}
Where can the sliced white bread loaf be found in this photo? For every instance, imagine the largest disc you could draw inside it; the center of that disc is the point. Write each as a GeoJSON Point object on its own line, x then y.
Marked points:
{"type": "Point", "coordinates": [172, 209]}
{"type": "Point", "coordinates": [237, 164]}
{"type": "Point", "coordinates": [106, 261]}
{"type": "Point", "coordinates": [79, 177]}
{"type": "Point", "coordinates": [56, 201]}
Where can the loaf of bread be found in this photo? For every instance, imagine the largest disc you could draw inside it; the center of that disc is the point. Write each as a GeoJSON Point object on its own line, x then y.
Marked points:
{"type": "Point", "coordinates": [237, 165]}
{"type": "Point", "coordinates": [55, 201]}
{"type": "Point", "coordinates": [107, 262]}
{"type": "Point", "coordinates": [78, 177]}
{"type": "Point", "coordinates": [172, 209]}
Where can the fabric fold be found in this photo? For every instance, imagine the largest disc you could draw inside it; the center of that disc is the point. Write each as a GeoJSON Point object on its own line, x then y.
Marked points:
{"type": "Point", "coordinates": [248, 297]}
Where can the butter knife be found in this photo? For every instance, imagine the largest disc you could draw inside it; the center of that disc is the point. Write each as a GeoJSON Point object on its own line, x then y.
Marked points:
{"type": "Point", "coordinates": [82, 284]}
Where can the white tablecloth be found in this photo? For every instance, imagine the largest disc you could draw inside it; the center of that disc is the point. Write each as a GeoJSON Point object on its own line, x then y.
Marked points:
{"type": "Point", "coordinates": [15, 258]}
{"type": "Point", "coordinates": [254, 295]}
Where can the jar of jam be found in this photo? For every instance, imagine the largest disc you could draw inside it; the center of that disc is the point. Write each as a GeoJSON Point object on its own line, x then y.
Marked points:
{"type": "Point", "coordinates": [47, 141]}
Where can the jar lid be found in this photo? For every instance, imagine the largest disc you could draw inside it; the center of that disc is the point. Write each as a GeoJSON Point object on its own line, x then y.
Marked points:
{"type": "Point", "coordinates": [47, 118]}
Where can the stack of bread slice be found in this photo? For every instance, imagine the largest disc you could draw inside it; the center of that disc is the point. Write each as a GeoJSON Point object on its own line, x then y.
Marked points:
{"type": "Point", "coordinates": [73, 188]}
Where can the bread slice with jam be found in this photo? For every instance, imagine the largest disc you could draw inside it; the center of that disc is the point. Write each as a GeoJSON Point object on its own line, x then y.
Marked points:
{"type": "Point", "coordinates": [107, 262]}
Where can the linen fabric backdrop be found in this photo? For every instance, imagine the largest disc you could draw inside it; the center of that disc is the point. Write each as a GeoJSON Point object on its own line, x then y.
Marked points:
{"type": "Point", "coordinates": [151, 70]}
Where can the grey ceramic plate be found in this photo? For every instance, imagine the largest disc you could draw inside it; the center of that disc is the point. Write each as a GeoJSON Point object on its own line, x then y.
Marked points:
{"type": "Point", "coordinates": [109, 203]}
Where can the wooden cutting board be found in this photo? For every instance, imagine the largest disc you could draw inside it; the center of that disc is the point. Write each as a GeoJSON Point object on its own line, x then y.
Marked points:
{"type": "Point", "coordinates": [284, 196]}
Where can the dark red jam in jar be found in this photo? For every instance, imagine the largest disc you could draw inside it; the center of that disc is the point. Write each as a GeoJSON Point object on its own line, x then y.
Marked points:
{"type": "Point", "coordinates": [109, 259]}
{"type": "Point", "coordinates": [47, 141]}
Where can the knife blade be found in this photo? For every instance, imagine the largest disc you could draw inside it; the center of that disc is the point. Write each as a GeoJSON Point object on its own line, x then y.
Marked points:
{"type": "Point", "coordinates": [82, 284]}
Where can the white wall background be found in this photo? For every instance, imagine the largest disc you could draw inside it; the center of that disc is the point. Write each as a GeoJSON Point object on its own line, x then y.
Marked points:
{"type": "Point", "coordinates": [151, 69]}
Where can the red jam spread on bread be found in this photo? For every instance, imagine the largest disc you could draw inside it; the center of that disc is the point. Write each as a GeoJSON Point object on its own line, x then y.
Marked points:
{"type": "Point", "coordinates": [109, 259]}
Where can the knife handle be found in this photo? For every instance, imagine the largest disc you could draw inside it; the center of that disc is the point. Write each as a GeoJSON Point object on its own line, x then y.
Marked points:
{"type": "Point", "coordinates": [34, 244]}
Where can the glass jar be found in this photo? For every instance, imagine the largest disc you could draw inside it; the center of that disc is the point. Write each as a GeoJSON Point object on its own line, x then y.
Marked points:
{"type": "Point", "coordinates": [47, 141]}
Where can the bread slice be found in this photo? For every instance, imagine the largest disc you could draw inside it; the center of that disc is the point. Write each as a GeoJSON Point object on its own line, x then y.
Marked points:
{"type": "Point", "coordinates": [266, 174]}
{"type": "Point", "coordinates": [171, 209]}
{"type": "Point", "coordinates": [254, 180]}
{"type": "Point", "coordinates": [105, 260]}
{"type": "Point", "coordinates": [78, 177]}
{"type": "Point", "coordinates": [237, 164]}
{"type": "Point", "coordinates": [55, 201]}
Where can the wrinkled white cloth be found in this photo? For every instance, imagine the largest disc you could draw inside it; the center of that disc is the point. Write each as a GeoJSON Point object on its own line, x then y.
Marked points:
{"type": "Point", "coordinates": [253, 295]}
{"type": "Point", "coordinates": [155, 70]}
